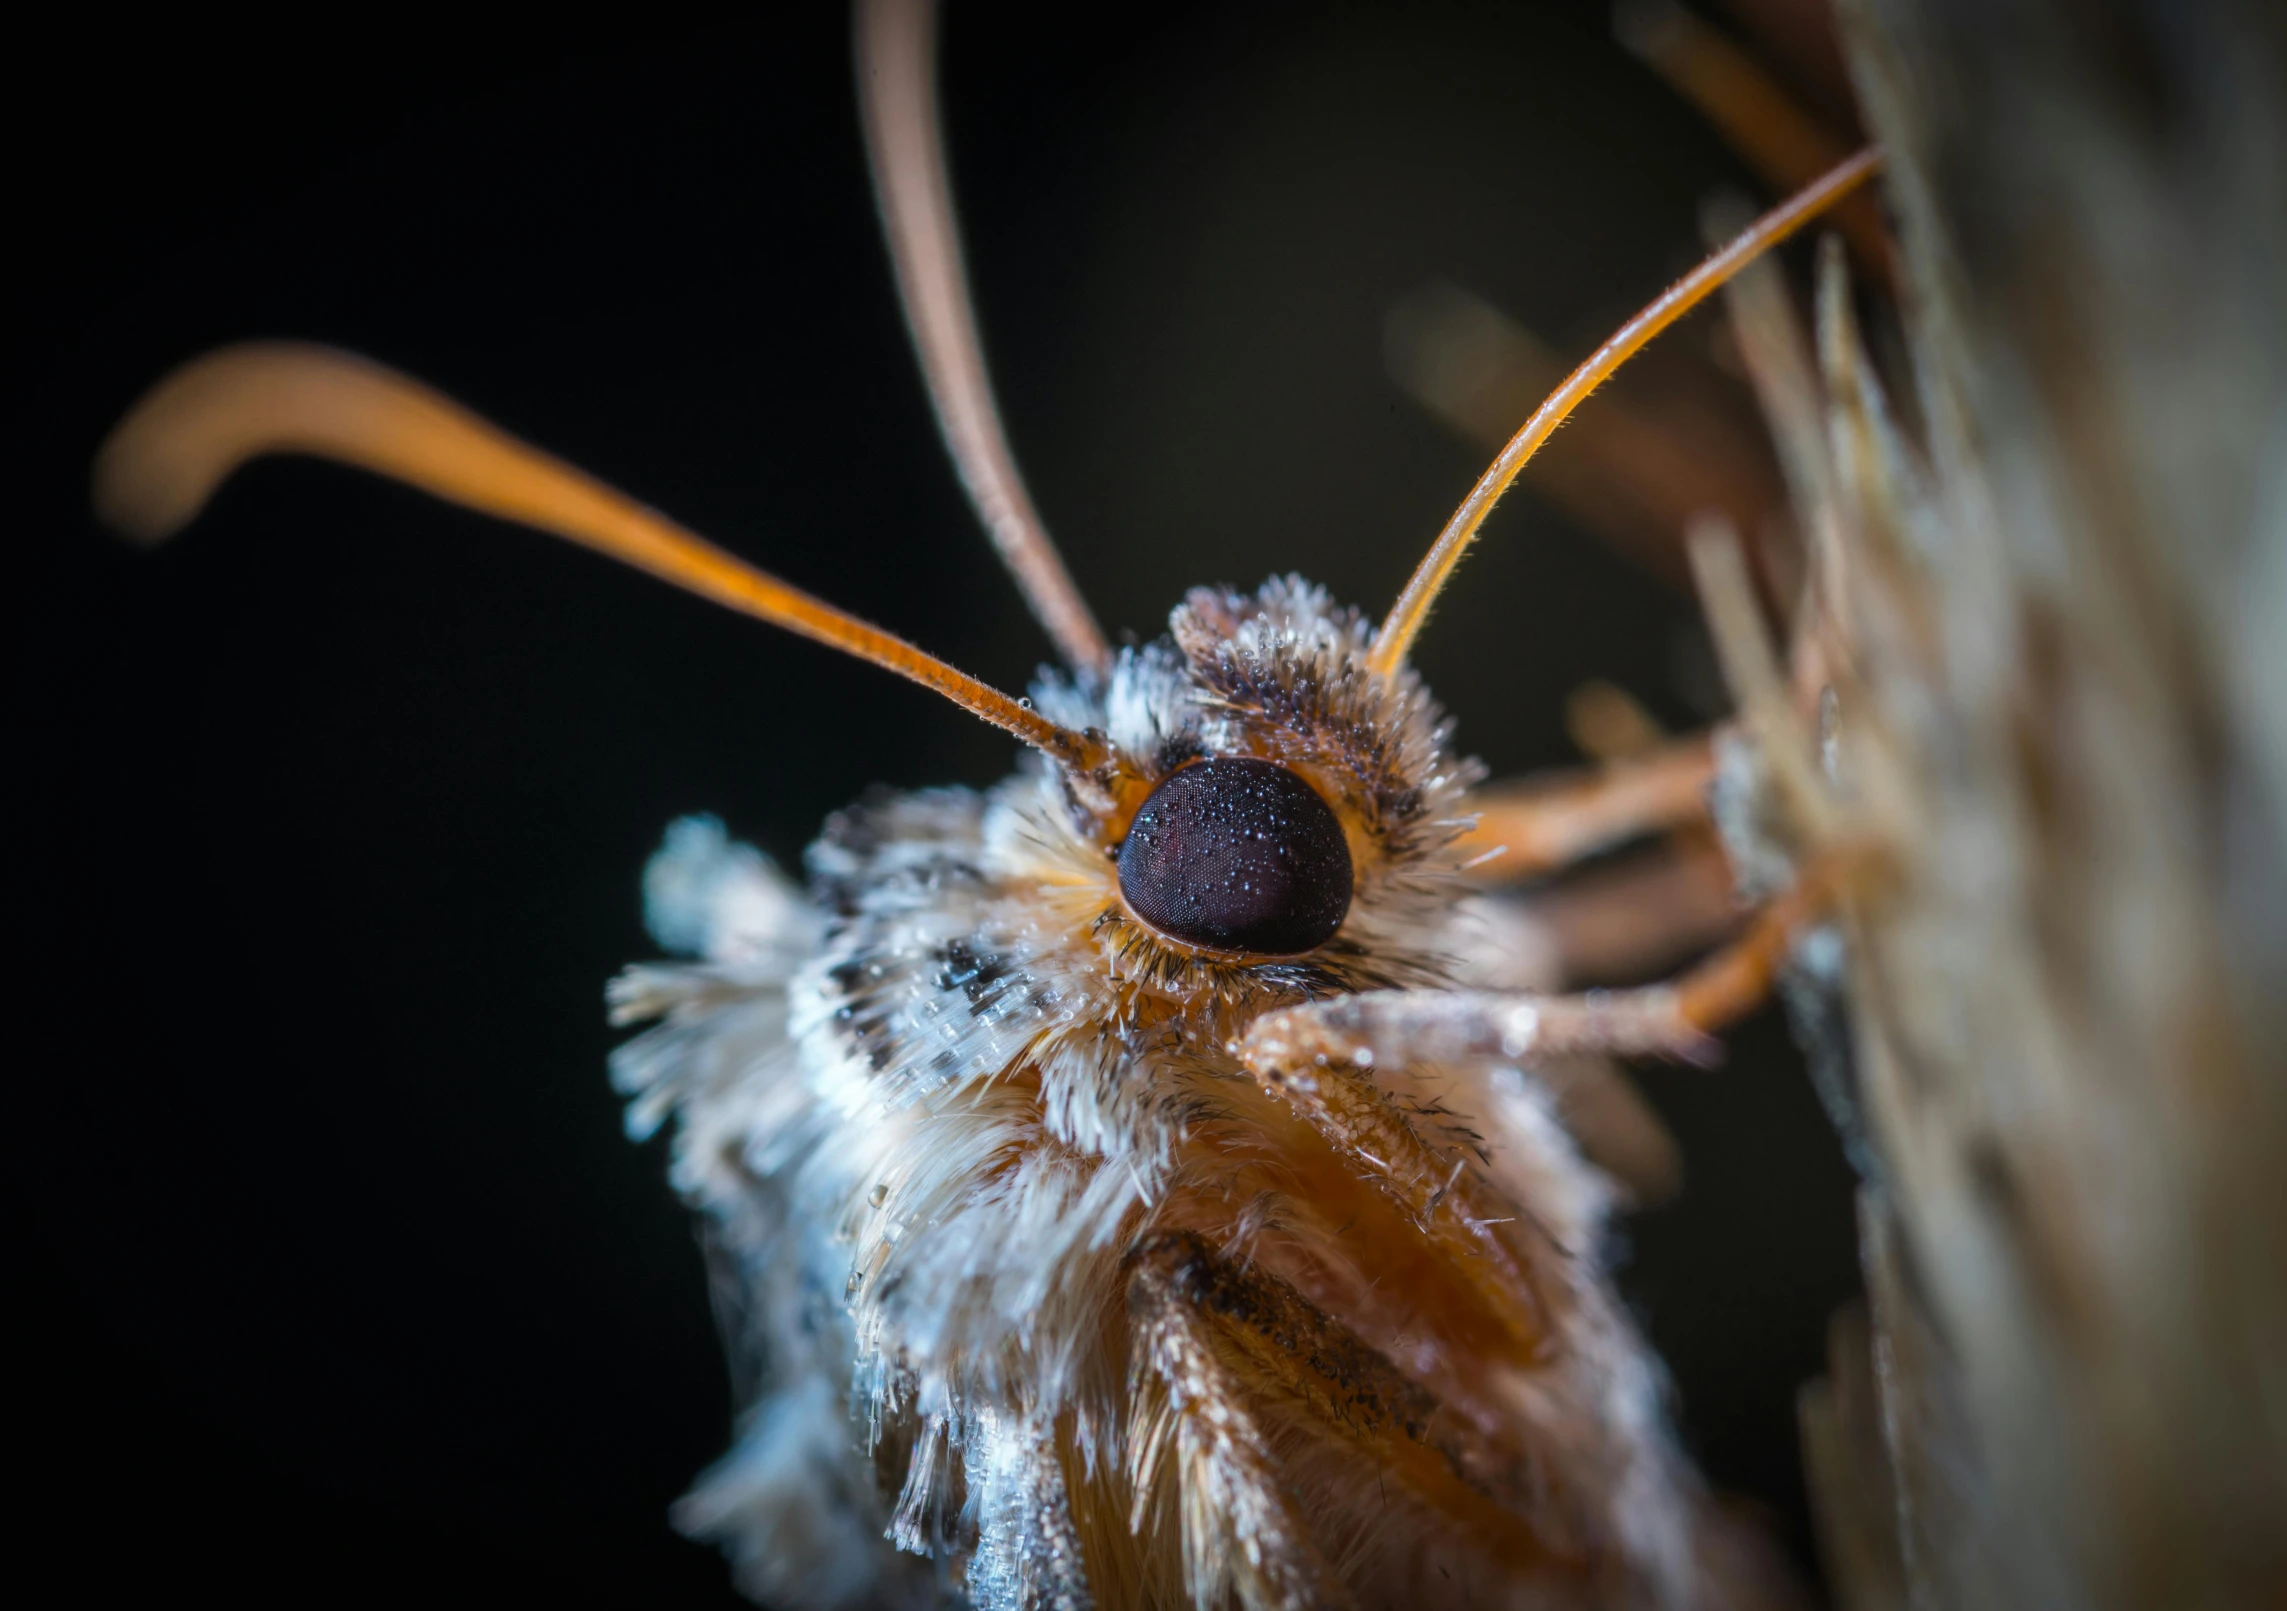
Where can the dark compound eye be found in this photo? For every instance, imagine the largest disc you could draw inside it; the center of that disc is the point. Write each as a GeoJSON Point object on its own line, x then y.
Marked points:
{"type": "Point", "coordinates": [1238, 855]}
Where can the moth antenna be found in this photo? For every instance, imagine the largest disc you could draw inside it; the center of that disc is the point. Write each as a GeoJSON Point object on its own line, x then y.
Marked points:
{"type": "Point", "coordinates": [1404, 623]}
{"type": "Point", "coordinates": [897, 91]}
{"type": "Point", "coordinates": [1782, 140]}
{"type": "Point", "coordinates": [163, 462]}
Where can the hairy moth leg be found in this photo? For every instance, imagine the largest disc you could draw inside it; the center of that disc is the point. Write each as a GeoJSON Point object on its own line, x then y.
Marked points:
{"type": "Point", "coordinates": [1028, 1555]}
{"type": "Point", "coordinates": [1315, 1054]}
{"type": "Point", "coordinates": [1279, 1347]}
{"type": "Point", "coordinates": [1469, 1227]}
{"type": "Point", "coordinates": [1320, 1059]}
{"type": "Point", "coordinates": [1625, 920]}
{"type": "Point", "coordinates": [1539, 825]}
{"type": "Point", "coordinates": [1239, 1524]}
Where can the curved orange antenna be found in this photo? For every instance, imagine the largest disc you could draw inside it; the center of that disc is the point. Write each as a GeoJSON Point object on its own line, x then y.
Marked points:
{"type": "Point", "coordinates": [1405, 619]}
{"type": "Point", "coordinates": [897, 89]}
{"type": "Point", "coordinates": [1776, 136]}
{"type": "Point", "coordinates": [163, 462]}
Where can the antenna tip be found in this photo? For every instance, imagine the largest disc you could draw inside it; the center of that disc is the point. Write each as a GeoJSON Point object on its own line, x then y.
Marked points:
{"type": "Point", "coordinates": [136, 497]}
{"type": "Point", "coordinates": [160, 464]}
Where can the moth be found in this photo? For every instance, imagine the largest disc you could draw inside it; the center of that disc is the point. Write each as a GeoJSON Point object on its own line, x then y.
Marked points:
{"type": "Point", "coordinates": [1136, 1182]}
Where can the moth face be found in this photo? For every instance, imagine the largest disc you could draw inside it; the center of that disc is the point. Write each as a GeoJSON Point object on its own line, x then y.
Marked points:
{"type": "Point", "coordinates": [1281, 810]}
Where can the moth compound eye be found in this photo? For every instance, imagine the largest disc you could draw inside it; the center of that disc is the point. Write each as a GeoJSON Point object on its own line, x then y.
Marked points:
{"type": "Point", "coordinates": [1238, 855]}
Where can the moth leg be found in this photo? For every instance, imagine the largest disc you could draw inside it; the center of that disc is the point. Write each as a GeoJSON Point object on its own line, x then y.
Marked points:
{"type": "Point", "coordinates": [1638, 917]}
{"type": "Point", "coordinates": [1228, 1338]}
{"type": "Point", "coordinates": [1028, 1555]}
{"type": "Point", "coordinates": [1320, 1059]}
{"type": "Point", "coordinates": [1295, 1051]}
{"type": "Point", "coordinates": [1239, 1523]}
{"type": "Point", "coordinates": [1540, 824]}
{"type": "Point", "coordinates": [1322, 1069]}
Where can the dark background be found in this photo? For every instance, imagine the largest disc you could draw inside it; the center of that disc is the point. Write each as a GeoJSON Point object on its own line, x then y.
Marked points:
{"type": "Point", "coordinates": [334, 1272]}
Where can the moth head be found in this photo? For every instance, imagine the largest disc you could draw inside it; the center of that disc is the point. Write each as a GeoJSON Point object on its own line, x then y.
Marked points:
{"type": "Point", "coordinates": [1272, 794]}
